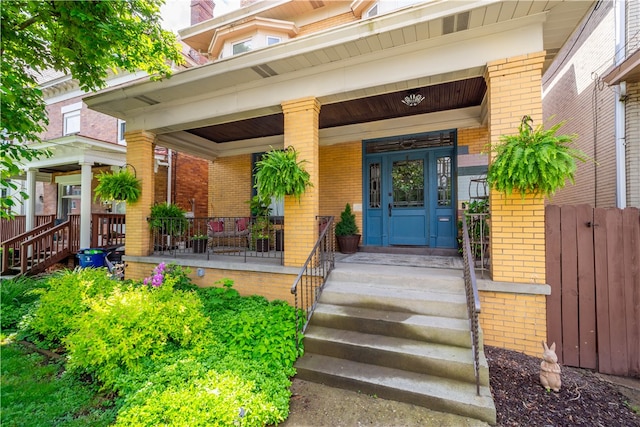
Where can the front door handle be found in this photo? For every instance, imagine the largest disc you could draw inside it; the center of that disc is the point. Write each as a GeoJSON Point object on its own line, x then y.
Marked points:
{"type": "Point", "coordinates": [389, 209]}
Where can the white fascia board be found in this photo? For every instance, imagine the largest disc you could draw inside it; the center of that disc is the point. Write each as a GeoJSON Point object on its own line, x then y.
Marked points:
{"type": "Point", "coordinates": [336, 36]}
{"type": "Point", "coordinates": [425, 59]}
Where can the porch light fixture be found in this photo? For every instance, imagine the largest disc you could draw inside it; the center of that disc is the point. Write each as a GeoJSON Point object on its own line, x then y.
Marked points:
{"type": "Point", "coordinates": [413, 99]}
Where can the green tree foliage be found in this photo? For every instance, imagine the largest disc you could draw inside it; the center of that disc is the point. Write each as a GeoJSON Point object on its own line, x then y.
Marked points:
{"type": "Point", "coordinates": [81, 38]}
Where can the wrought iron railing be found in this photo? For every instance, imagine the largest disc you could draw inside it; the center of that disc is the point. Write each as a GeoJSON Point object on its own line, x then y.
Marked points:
{"type": "Point", "coordinates": [473, 300]}
{"type": "Point", "coordinates": [313, 275]}
{"type": "Point", "coordinates": [245, 237]}
{"type": "Point", "coordinates": [478, 227]}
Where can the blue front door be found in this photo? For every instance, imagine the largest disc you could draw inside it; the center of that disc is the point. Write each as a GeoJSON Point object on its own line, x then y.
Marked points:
{"type": "Point", "coordinates": [409, 198]}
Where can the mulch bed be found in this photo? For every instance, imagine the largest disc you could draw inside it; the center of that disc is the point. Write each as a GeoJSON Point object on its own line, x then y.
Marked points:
{"type": "Point", "coordinates": [584, 399]}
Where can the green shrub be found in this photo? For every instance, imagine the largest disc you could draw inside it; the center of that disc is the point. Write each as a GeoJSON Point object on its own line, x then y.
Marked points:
{"type": "Point", "coordinates": [17, 297]}
{"type": "Point", "coordinates": [133, 323]}
{"type": "Point", "coordinates": [68, 296]}
{"type": "Point", "coordinates": [347, 225]}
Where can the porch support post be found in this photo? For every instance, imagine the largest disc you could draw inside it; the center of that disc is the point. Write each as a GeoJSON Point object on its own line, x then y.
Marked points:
{"type": "Point", "coordinates": [301, 121]}
{"type": "Point", "coordinates": [85, 204]}
{"type": "Point", "coordinates": [30, 203]}
{"type": "Point", "coordinates": [140, 155]}
{"type": "Point", "coordinates": [517, 232]}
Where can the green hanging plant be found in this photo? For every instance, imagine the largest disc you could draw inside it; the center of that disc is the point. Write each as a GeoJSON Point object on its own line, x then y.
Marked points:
{"type": "Point", "coordinates": [534, 161]}
{"type": "Point", "coordinates": [279, 174]}
{"type": "Point", "coordinates": [119, 186]}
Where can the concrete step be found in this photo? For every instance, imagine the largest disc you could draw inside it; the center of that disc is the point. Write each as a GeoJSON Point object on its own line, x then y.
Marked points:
{"type": "Point", "coordinates": [392, 297]}
{"type": "Point", "coordinates": [409, 355]}
{"type": "Point", "coordinates": [442, 330]}
{"type": "Point", "coordinates": [434, 279]}
{"type": "Point", "coordinates": [440, 394]}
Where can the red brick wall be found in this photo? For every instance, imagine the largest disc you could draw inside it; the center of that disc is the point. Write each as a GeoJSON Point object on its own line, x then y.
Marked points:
{"type": "Point", "coordinates": [191, 183]}
{"type": "Point", "coordinates": [92, 124]}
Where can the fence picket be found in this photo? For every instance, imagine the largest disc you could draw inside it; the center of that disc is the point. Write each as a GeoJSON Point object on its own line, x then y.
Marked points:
{"type": "Point", "coordinates": [554, 277]}
{"type": "Point", "coordinates": [602, 292]}
{"type": "Point", "coordinates": [586, 287]}
{"type": "Point", "coordinates": [631, 244]}
{"type": "Point", "coordinates": [570, 315]}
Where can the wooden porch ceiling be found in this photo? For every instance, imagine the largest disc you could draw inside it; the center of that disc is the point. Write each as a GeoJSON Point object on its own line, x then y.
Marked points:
{"type": "Point", "coordinates": [441, 97]}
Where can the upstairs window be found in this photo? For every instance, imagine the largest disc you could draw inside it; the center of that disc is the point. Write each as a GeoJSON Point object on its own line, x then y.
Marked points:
{"type": "Point", "coordinates": [71, 118]}
{"type": "Point", "coordinates": [372, 11]}
{"type": "Point", "coordinates": [122, 127]}
{"type": "Point", "coordinates": [241, 47]}
{"type": "Point", "coordinates": [273, 40]}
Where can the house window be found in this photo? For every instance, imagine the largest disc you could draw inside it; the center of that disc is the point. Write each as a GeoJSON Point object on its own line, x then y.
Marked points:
{"type": "Point", "coordinates": [273, 40]}
{"type": "Point", "coordinates": [71, 122]}
{"type": "Point", "coordinates": [372, 11]}
{"type": "Point", "coordinates": [122, 127]}
{"type": "Point", "coordinates": [241, 47]}
{"type": "Point", "coordinates": [71, 118]}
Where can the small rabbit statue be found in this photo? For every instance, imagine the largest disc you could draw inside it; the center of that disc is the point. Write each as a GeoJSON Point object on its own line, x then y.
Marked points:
{"type": "Point", "coordinates": [549, 368]}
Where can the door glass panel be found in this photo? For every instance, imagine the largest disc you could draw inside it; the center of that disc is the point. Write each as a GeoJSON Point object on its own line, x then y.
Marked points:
{"type": "Point", "coordinates": [408, 183]}
{"type": "Point", "coordinates": [374, 185]}
{"type": "Point", "coordinates": [443, 168]}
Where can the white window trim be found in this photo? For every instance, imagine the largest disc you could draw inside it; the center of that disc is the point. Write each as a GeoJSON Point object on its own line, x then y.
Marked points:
{"type": "Point", "coordinates": [278, 38]}
{"type": "Point", "coordinates": [71, 118]}
{"type": "Point", "coordinates": [121, 139]}
{"type": "Point", "coordinates": [367, 13]}
{"type": "Point", "coordinates": [250, 39]}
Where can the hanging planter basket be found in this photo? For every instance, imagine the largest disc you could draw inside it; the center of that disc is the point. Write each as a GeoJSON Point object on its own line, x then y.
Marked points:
{"type": "Point", "coordinates": [279, 174]}
{"type": "Point", "coordinates": [119, 186]}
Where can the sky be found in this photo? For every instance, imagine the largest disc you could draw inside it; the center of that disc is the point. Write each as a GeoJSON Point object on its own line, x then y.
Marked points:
{"type": "Point", "coordinates": [176, 14]}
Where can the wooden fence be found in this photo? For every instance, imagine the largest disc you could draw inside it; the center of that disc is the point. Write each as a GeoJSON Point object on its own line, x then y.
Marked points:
{"type": "Point", "coordinates": [593, 267]}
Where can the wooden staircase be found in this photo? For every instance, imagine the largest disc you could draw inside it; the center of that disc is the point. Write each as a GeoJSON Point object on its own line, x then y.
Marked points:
{"type": "Point", "coordinates": [34, 251]}
{"type": "Point", "coordinates": [401, 333]}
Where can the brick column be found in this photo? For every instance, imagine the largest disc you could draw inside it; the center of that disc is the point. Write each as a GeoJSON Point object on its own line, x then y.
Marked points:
{"type": "Point", "coordinates": [301, 118]}
{"type": "Point", "coordinates": [517, 226]}
{"type": "Point", "coordinates": [140, 155]}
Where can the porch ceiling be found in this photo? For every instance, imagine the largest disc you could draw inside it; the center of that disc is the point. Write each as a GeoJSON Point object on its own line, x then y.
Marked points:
{"type": "Point", "coordinates": [447, 96]}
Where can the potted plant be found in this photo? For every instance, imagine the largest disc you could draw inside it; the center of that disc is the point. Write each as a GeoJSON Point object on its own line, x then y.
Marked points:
{"type": "Point", "coordinates": [260, 233]}
{"type": "Point", "coordinates": [168, 219]}
{"type": "Point", "coordinates": [347, 232]}
{"type": "Point", "coordinates": [119, 186]}
{"type": "Point", "coordinates": [533, 161]}
{"type": "Point", "coordinates": [199, 243]}
{"type": "Point", "coordinates": [279, 174]}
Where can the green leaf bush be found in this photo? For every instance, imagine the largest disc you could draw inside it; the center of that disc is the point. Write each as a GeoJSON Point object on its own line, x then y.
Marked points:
{"type": "Point", "coordinates": [68, 296]}
{"type": "Point", "coordinates": [533, 161]}
{"type": "Point", "coordinates": [171, 353]}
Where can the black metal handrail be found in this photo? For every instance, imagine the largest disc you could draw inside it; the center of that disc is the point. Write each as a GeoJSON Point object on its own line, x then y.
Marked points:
{"type": "Point", "coordinates": [473, 300]}
{"type": "Point", "coordinates": [313, 275]}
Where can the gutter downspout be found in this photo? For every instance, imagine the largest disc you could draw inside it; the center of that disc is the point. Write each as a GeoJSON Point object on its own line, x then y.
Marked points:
{"type": "Point", "coordinates": [620, 109]}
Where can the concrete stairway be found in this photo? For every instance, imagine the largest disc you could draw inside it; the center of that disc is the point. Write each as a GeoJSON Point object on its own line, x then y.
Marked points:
{"type": "Point", "coordinates": [401, 333]}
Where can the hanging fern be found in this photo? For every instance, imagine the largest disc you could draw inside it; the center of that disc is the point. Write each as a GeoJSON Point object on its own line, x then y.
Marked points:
{"type": "Point", "coordinates": [279, 174]}
{"type": "Point", "coordinates": [534, 161]}
{"type": "Point", "coordinates": [119, 186]}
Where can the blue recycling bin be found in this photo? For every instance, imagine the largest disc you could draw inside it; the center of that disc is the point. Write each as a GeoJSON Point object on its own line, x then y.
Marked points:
{"type": "Point", "coordinates": [93, 257]}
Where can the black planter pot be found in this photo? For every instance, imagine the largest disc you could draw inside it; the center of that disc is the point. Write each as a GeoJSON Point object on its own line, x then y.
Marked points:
{"type": "Point", "coordinates": [348, 244]}
{"type": "Point", "coordinates": [262, 245]}
{"type": "Point", "coordinates": [199, 246]}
